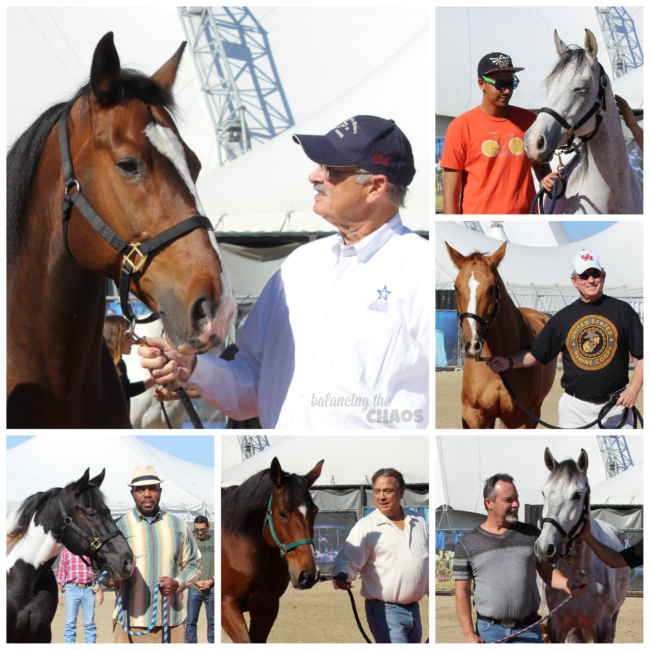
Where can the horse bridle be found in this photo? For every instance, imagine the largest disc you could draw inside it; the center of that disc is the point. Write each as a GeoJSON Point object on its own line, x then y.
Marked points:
{"type": "Point", "coordinates": [569, 537]}
{"type": "Point", "coordinates": [284, 548]}
{"type": "Point", "coordinates": [134, 256]}
{"type": "Point", "coordinates": [95, 543]}
{"type": "Point", "coordinates": [485, 323]}
{"type": "Point", "coordinates": [599, 105]}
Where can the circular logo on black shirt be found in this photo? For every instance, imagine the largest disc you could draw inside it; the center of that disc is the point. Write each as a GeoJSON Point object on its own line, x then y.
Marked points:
{"type": "Point", "coordinates": [592, 342]}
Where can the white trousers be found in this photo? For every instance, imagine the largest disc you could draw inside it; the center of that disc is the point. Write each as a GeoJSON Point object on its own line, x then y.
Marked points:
{"type": "Point", "coordinates": [573, 413]}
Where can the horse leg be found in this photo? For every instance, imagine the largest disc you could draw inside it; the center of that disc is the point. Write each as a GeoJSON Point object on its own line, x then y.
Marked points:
{"type": "Point", "coordinates": [46, 636]}
{"type": "Point", "coordinates": [262, 620]}
{"type": "Point", "coordinates": [604, 630]}
{"type": "Point", "coordinates": [233, 622]}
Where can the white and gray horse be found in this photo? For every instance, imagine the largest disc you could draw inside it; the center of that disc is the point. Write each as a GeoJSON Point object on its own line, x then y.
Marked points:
{"type": "Point", "coordinates": [565, 495]}
{"type": "Point", "coordinates": [599, 179]}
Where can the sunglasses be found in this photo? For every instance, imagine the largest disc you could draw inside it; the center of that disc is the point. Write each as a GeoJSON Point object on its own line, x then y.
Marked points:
{"type": "Point", "coordinates": [503, 85]}
{"type": "Point", "coordinates": [198, 530]}
{"type": "Point", "coordinates": [595, 273]}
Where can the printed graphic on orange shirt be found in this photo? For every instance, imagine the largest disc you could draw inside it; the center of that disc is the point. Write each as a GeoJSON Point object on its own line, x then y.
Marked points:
{"type": "Point", "coordinates": [510, 145]}
{"type": "Point", "coordinates": [592, 342]}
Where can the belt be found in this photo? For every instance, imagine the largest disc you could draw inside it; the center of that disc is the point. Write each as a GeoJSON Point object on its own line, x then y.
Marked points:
{"type": "Point", "coordinates": [599, 400]}
{"type": "Point", "coordinates": [400, 604]}
{"type": "Point", "coordinates": [511, 623]}
{"type": "Point", "coordinates": [80, 586]}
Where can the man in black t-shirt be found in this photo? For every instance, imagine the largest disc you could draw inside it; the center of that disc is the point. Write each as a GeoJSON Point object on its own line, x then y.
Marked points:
{"type": "Point", "coordinates": [596, 335]}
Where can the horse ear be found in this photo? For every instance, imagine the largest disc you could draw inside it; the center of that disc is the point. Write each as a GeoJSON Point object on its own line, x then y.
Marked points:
{"type": "Point", "coordinates": [495, 259]}
{"type": "Point", "coordinates": [455, 256]}
{"type": "Point", "coordinates": [559, 45]}
{"type": "Point", "coordinates": [97, 481]}
{"type": "Point", "coordinates": [549, 460]}
{"type": "Point", "coordinates": [583, 461]}
{"type": "Point", "coordinates": [105, 72]}
{"type": "Point", "coordinates": [591, 44]}
{"type": "Point", "coordinates": [277, 475]}
{"type": "Point", "coordinates": [82, 482]}
{"type": "Point", "coordinates": [314, 474]}
{"type": "Point", "coordinates": [166, 75]}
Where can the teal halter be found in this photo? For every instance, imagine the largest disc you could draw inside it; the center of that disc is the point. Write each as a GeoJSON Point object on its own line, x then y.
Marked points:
{"type": "Point", "coordinates": [283, 548]}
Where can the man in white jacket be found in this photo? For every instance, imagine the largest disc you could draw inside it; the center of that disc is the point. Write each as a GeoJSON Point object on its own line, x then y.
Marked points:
{"type": "Point", "coordinates": [390, 548]}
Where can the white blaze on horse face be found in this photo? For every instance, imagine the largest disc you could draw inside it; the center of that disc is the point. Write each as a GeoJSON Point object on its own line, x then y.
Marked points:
{"type": "Point", "coordinates": [35, 547]}
{"type": "Point", "coordinates": [168, 144]}
{"type": "Point", "coordinates": [303, 509]}
{"type": "Point", "coordinates": [471, 307]}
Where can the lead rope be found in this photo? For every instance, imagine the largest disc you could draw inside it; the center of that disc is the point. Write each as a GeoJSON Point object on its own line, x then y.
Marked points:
{"type": "Point", "coordinates": [153, 615]}
{"type": "Point", "coordinates": [583, 577]}
{"type": "Point", "coordinates": [344, 578]}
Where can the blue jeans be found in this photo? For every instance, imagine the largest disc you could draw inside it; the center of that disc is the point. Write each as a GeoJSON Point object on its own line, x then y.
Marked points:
{"type": "Point", "coordinates": [393, 623]}
{"type": "Point", "coordinates": [73, 598]}
{"type": "Point", "coordinates": [194, 600]}
{"type": "Point", "coordinates": [491, 632]}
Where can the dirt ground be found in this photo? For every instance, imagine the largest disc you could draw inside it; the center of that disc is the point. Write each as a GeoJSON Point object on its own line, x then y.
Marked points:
{"type": "Point", "coordinates": [104, 622]}
{"type": "Point", "coordinates": [629, 626]}
{"type": "Point", "coordinates": [323, 615]}
{"type": "Point", "coordinates": [449, 406]}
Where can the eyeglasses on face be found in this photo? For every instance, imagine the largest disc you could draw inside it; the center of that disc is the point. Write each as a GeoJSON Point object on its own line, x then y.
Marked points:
{"type": "Point", "coordinates": [591, 273]}
{"type": "Point", "coordinates": [501, 85]}
{"type": "Point", "coordinates": [199, 530]}
{"type": "Point", "coordinates": [331, 172]}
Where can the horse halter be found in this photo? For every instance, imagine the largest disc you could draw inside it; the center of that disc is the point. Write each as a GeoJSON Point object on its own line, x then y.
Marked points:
{"type": "Point", "coordinates": [95, 542]}
{"type": "Point", "coordinates": [485, 323]}
{"type": "Point", "coordinates": [284, 548]}
{"type": "Point", "coordinates": [134, 256]}
{"type": "Point", "coordinates": [568, 538]}
{"type": "Point", "coordinates": [599, 105]}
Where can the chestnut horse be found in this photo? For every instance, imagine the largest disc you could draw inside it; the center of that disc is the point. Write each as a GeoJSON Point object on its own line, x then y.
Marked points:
{"type": "Point", "coordinates": [267, 531]}
{"type": "Point", "coordinates": [482, 292]}
{"type": "Point", "coordinates": [138, 176]}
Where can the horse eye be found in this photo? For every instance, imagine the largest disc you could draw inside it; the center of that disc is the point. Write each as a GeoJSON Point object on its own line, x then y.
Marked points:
{"type": "Point", "coordinates": [491, 289]}
{"type": "Point", "coordinates": [577, 496]}
{"type": "Point", "coordinates": [91, 515]}
{"type": "Point", "coordinates": [128, 166]}
{"type": "Point", "coordinates": [282, 514]}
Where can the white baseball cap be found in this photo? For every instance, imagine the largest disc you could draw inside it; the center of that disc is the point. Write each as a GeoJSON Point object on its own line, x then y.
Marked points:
{"type": "Point", "coordinates": [586, 260]}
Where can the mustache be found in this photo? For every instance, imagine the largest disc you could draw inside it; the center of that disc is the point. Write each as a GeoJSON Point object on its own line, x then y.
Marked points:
{"type": "Point", "coordinates": [320, 187]}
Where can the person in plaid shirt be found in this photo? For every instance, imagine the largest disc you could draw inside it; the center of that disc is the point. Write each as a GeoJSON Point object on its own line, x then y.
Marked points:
{"type": "Point", "coordinates": [76, 579]}
{"type": "Point", "coordinates": [165, 551]}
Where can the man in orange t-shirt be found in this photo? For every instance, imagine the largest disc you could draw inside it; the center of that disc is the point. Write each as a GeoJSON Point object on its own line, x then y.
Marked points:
{"type": "Point", "coordinates": [484, 149]}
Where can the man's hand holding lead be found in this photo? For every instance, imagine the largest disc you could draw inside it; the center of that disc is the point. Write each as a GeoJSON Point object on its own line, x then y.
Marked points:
{"type": "Point", "coordinates": [164, 363]}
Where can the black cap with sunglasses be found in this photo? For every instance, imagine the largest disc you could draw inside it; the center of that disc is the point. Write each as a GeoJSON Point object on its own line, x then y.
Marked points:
{"type": "Point", "coordinates": [497, 62]}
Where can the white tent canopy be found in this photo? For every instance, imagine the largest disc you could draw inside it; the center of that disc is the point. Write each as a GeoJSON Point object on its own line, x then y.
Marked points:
{"type": "Point", "coordinates": [349, 460]}
{"type": "Point", "coordinates": [467, 461]}
{"type": "Point", "coordinates": [49, 461]}
{"type": "Point", "coordinates": [540, 278]}
{"type": "Point", "coordinates": [624, 489]}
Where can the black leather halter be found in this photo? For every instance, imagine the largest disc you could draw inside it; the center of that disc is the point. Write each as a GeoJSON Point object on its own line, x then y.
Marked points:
{"type": "Point", "coordinates": [599, 105]}
{"type": "Point", "coordinates": [573, 533]}
{"type": "Point", "coordinates": [134, 256]}
{"type": "Point", "coordinates": [485, 323]}
{"type": "Point", "coordinates": [95, 542]}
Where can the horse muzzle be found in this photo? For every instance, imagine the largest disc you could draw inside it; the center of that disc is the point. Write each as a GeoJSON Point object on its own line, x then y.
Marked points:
{"type": "Point", "coordinates": [541, 141]}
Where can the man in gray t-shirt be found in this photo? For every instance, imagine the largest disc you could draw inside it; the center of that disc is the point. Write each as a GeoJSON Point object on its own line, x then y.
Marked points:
{"type": "Point", "coordinates": [499, 556]}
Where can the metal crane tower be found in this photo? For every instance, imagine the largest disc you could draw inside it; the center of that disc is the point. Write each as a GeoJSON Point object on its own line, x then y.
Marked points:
{"type": "Point", "coordinates": [621, 39]}
{"type": "Point", "coordinates": [615, 453]}
{"type": "Point", "coordinates": [239, 80]}
{"type": "Point", "coordinates": [250, 445]}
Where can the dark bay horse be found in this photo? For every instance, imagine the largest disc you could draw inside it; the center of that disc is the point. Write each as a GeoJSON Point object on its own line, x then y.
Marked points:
{"type": "Point", "coordinates": [130, 164]}
{"type": "Point", "coordinates": [566, 501]}
{"type": "Point", "coordinates": [36, 535]}
{"type": "Point", "coordinates": [254, 573]}
{"type": "Point", "coordinates": [482, 292]}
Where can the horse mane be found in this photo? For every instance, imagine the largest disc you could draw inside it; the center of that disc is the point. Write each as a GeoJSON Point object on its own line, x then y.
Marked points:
{"type": "Point", "coordinates": [565, 473]}
{"type": "Point", "coordinates": [476, 255]}
{"type": "Point", "coordinates": [573, 54]}
{"type": "Point", "coordinates": [241, 504]}
{"type": "Point", "coordinates": [26, 152]}
{"type": "Point", "coordinates": [91, 498]}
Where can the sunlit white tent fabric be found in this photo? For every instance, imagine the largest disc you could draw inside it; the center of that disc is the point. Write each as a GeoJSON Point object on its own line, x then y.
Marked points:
{"type": "Point", "coordinates": [49, 461]}
{"type": "Point", "coordinates": [624, 489]}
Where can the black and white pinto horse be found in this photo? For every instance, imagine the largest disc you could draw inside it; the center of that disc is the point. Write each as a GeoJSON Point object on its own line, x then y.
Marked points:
{"type": "Point", "coordinates": [36, 534]}
{"type": "Point", "coordinates": [566, 502]}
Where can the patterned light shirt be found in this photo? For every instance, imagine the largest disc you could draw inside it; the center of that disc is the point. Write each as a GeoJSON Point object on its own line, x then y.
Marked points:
{"type": "Point", "coordinates": [164, 547]}
{"type": "Point", "coordinates": [72, 569]}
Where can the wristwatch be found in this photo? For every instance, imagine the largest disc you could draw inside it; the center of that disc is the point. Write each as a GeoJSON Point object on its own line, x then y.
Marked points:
{"type": "Point", "coordinates": [510, 363]}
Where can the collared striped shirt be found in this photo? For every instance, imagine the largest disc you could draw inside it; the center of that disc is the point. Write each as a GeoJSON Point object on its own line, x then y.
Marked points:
{"type": "Point", "coordinates": [164, 547]}
{"type": "Point", "coordinates": [72, 569]}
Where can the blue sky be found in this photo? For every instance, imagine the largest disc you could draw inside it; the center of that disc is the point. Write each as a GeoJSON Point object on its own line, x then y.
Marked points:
{"type": "Point", "coordinates": [582, 229]}
{"type": "Point", "coordinates": [196, 449]}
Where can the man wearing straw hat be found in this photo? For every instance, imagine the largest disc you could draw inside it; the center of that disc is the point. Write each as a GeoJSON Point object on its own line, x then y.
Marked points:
{"type": "Point", "coordinates": [165, 552]}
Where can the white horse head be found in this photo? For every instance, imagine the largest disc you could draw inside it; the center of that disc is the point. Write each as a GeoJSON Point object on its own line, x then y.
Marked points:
{"type": "Point", "coordinates": [564, 496]}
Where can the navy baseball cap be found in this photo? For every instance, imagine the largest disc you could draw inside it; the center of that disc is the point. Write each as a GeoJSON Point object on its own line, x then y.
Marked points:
{"type": "Point", "coordinates": [366, 141]}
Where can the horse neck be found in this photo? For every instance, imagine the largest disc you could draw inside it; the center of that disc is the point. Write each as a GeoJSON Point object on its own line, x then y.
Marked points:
{"type": "Point", "coordinates": [508, 332]}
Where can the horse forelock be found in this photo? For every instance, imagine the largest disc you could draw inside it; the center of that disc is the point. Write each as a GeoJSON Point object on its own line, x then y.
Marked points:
{"type": "Point", "coordinates": [574, 57]}
{"type": "Point", "coordinates": [566, 474]}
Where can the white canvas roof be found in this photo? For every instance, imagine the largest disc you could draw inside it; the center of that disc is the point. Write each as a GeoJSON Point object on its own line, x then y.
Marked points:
{"type": "Point", "coordinates": [49, 461]}
{"type": "Point", "coordinates": [349, 460]}
{"type": "Point", "coordinates": [624, 489]}
{"type": "Point", "coordinates": [469, 460]}
{"type": "Point", "coordinates": [540, 278]}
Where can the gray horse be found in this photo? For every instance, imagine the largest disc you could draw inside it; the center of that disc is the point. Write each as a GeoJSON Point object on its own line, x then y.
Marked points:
{"type": "Point", "coordinates": [596, 611]}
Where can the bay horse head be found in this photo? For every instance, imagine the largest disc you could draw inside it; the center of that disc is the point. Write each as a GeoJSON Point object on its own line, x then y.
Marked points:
{"type": "Point", "coordinates": [566, 504]}
{"type": "Point", "coordinates": [290, 517]}
{"type": "Point", "coordinates": [84, 525]}
{"type": "Point", "coordinates": [576, 91]}
{"type": "Point", "coordinates": [477, 289]}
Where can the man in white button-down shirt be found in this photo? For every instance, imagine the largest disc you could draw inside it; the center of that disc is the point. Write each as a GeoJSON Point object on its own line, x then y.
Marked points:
{"type": "Point", "coordinates": [339, 337]}
{"type": "Point", "coordinates": [390, 548]}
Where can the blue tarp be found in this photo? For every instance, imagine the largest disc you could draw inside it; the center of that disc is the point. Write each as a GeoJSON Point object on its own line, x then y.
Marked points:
{"type": "Point", "coordinates": [447, 323]}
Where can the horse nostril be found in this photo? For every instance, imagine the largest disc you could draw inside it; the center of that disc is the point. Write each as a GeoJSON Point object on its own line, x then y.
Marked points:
{"type": "Point", "coordinates": [540, 142]}
{"type": "Point", "coordinates": [304, 578]}
{"type": "Point", "coordinates": [550, 551]}
{"type": "Point", "coordinates": [202, 311]}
